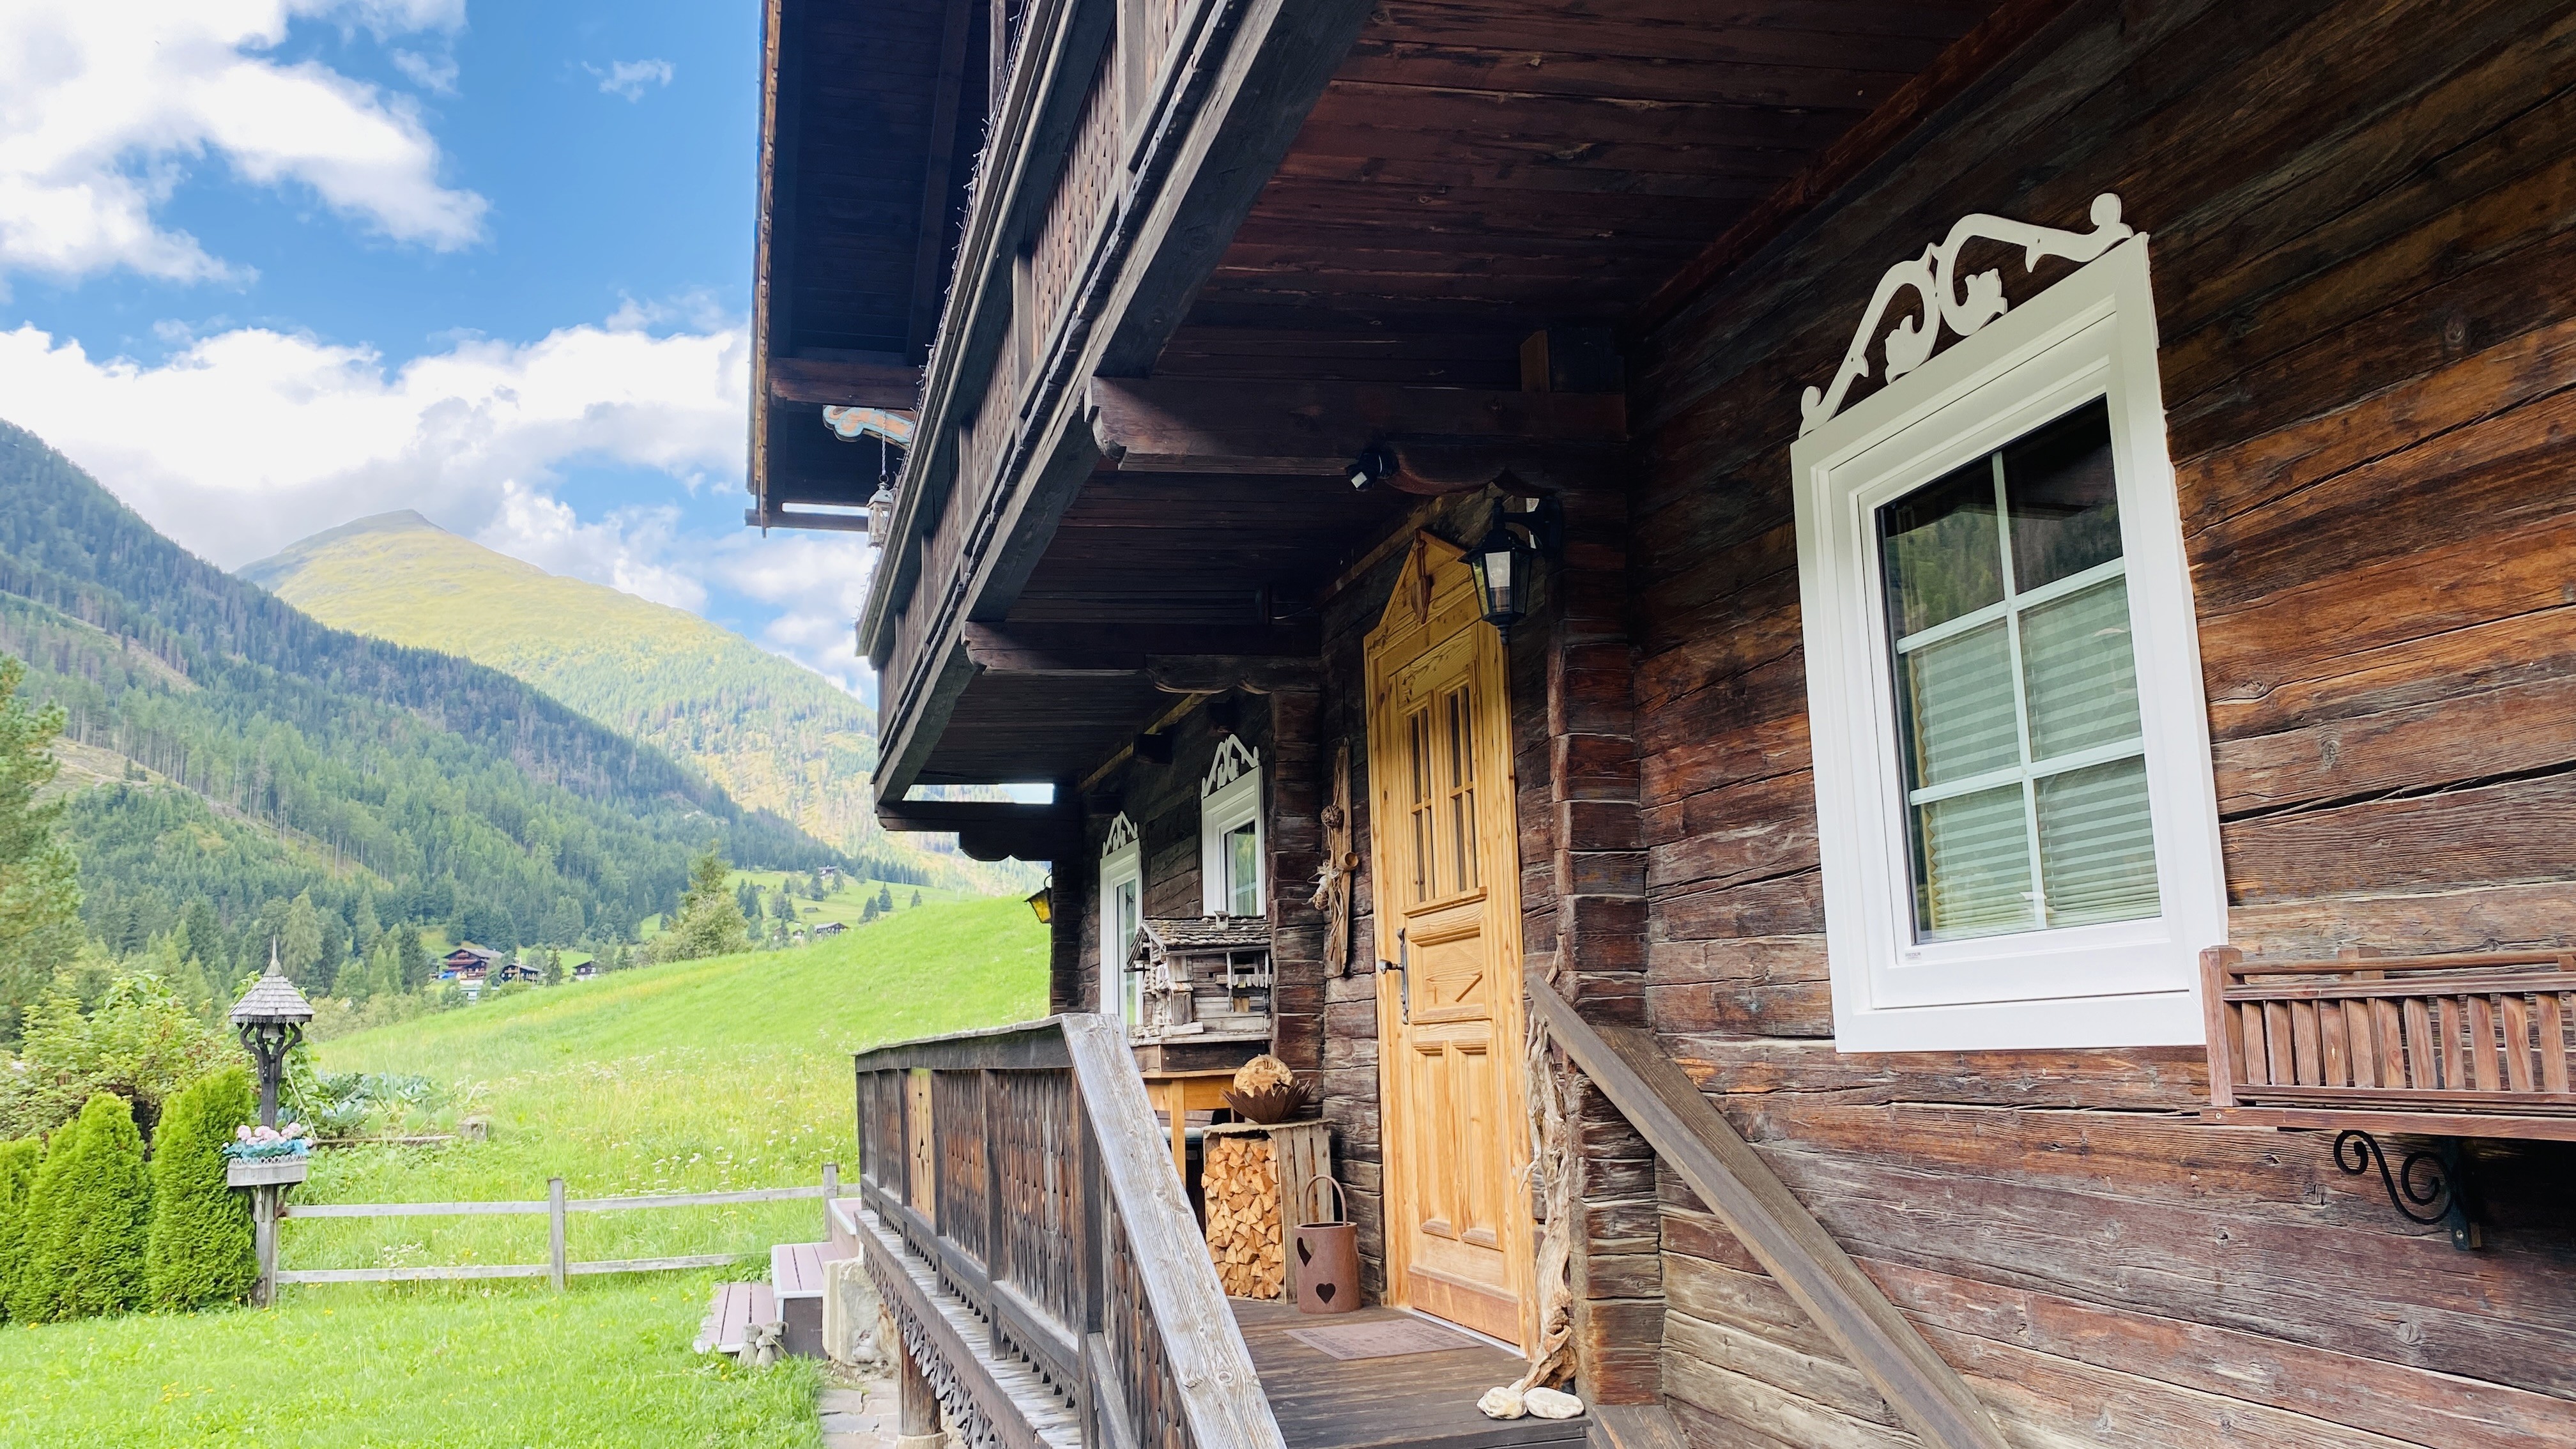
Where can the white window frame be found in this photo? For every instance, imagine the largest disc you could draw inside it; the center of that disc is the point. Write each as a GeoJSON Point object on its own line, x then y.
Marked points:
{"type": "Point", "coordinates": [1229, 796]}
{"type": "Point", "coordinates": [2131, 983]}
{"type": "Point", "coordinates": [1122, 862]}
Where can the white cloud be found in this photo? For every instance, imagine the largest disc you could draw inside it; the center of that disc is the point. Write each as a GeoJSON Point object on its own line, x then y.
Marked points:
{"type": "Point", "coordinates": [630, 78]}
{"type": "Point", "coordinates": [817, 581]}
{"type": "Point", "coordinates": [630, 549]}
{"type": "Point", "coordinates": [104, 108]}
{"type": "Point", "coordinates": [247, 440]}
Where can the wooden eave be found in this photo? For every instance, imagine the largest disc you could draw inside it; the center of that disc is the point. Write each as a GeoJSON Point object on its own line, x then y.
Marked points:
{"type": "Point", "coordinates": [860, 167]}
{"type": "Point", "coordinates": [1473, 172]}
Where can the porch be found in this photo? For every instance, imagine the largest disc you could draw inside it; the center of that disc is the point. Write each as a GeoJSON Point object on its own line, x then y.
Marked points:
{"type": "Point", "coordinates": [1020, 1218]}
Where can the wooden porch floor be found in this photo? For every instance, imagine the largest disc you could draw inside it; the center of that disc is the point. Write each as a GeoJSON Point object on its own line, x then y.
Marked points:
{"type": "Point", "coordinates": [1418, 1400]}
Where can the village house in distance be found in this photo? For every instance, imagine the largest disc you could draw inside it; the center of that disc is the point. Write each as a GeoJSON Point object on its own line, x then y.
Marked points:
{"type": "Point", "coordinates": [1880, 696]}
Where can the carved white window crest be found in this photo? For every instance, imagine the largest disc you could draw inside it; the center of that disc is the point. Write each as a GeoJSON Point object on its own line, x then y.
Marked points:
{"type": "Point", "coordinates": [1122, 834]}
{"type": "Point", "coordinates": [1234, 760]}
{"type": "Point", "coordinates": [1932, 278]}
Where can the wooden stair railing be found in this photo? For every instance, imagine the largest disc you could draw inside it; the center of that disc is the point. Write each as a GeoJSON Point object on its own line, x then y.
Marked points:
{"type": "Point", "coordinates": [1697, 1142]}
{"type": "Point", "coordinates": [2438, 1046]}
{"type": "Point", "coordinates": [1036, 1247]}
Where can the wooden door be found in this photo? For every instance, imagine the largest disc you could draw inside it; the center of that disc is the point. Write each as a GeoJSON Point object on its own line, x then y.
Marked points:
{"type": "Point", "coordinates": [1446, 865]}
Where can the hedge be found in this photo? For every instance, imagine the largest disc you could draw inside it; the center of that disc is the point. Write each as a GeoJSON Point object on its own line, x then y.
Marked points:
{"type": "Point", "coordinates": [201, 1253]}
{"type": "Point", "coordinates": [88, 1219]}
{"type": "Point", "coordinates": [18, 1163]}
{"type": "Point", "coordinates": [33, 1294]}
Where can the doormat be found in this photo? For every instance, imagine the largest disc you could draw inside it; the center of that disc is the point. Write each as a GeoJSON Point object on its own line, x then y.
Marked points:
{"type": "Point", "coordinates": [1387, 1338]}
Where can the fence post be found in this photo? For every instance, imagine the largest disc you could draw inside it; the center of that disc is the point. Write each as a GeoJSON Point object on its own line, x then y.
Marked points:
{"type": "Point", "coordinates": [555, 1228]}
{"type": "Point", "coordinates": [263, 1229]}
{"type": "Point", "coordinates": [831, 1190]}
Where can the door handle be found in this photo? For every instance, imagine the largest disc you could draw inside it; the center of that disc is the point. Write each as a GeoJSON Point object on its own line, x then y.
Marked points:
{"type": "Point", "coordinates": [1401, 966]}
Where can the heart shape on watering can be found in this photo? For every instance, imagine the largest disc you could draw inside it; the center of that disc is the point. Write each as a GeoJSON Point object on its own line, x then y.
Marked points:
{"type": "Point", "coordinates": [1305, 1255]}
{"type": "Point", "coordinates": [1324, 1292]}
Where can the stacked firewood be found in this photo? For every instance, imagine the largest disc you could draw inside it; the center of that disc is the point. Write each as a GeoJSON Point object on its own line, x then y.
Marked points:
{"type": "Point", "coordinates": [1241, 1178]}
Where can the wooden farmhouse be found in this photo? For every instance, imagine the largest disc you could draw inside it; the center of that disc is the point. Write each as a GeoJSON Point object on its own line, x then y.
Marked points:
{"type": "Point", "coordinates": [1893, 681]}
{"type": "Point", "coordinates": [467, 962]}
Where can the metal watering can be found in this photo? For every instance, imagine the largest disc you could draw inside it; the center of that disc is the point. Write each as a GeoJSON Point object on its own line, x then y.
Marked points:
{"type": "Point", "coordinates": [1326, 1275]}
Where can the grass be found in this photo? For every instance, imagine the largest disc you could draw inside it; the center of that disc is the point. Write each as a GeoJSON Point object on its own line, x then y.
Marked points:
{"type": "Point", "coordinates": [693, 1077]}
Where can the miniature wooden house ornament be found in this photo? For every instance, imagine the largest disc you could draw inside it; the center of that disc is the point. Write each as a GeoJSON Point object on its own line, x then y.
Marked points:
{"type": "Point", "coordinates": [1207, 979]}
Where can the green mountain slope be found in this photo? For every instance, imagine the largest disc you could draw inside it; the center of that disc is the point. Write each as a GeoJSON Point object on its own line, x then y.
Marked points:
{"type": "Point", "coordinates": [773, 735]}
{"type": "Point", "coordinates": [265, 754]}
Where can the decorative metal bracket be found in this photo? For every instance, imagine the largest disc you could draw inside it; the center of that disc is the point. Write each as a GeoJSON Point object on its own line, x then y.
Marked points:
{"type": "Point", "coordinates": [2428, 1187]}
{"type": "Point", "coordinates": [1933, 278]}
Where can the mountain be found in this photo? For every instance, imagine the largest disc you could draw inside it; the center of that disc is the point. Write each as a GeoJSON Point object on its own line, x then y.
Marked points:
{"type": "Point", "coordinates": [772, 734]}
{"type": "Point", "coordinates": [237, 752]}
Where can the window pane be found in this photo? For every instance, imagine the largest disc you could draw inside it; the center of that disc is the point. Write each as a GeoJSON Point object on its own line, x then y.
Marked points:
{"type": "Point", "coordinates": [1975, 862]}
{"type": "Point", "coordinates": [1943, 550]}
{"type": "Point", "coordinates": [2082, 674]}
{"type": "Point", "coordinates": [1959, 707]}
{"type": "Point", "coordinates": [1243, 870]}
{"type": "Point", "coordinates": [2064, 500]}
{"type": "Point", "coordinates": [2096, 850]}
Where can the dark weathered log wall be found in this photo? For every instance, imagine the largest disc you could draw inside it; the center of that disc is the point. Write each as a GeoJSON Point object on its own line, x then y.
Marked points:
{"type": "Point", "coordinates": [2364, 249]}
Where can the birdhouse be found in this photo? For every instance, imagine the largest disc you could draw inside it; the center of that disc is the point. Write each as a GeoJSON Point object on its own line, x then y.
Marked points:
{"type": "Point", "coordinates": [1206, 978]}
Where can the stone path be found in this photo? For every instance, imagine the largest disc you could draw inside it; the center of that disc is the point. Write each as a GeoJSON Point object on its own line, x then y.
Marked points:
{"type": "Point", "coordinates": [859, 1417]}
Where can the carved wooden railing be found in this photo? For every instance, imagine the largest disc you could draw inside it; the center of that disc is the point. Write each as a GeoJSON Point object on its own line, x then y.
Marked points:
{"type": "Point", "coordinates": [2453, 1046]}
{"type": "Point", "coordinates": [1037, 1250]}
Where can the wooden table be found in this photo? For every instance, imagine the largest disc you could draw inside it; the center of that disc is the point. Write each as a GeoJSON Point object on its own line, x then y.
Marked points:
{"type": "Point", "coordinates": [1177, 1095]}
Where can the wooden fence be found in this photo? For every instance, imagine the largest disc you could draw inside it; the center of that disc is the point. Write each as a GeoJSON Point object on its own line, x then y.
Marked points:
{"type": "Point", "coordinates": [557, 1208]}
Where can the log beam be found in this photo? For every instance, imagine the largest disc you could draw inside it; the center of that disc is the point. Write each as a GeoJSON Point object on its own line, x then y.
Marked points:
{"type": "Point", "coordinates": [1439, 435]}
{"type": "Point", "coordinates": [1181, 652]}
{"type": "Point", "coordinates": [841, 383]}
{"type": "Point", "coordinates": [992, 829]}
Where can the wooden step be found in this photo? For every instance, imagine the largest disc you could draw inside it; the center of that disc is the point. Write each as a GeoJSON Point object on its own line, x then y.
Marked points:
{"type": "Point", "coordinates": [796, 1282]}
{"type": "Point", "coordinates": [732, 1312]}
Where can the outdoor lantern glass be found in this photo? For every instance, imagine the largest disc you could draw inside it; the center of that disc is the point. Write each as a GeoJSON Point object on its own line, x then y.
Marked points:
{"type": "Point", "coordinates": [1501, 565]}
{"type": "Point", "coordinates": [1043, 902]}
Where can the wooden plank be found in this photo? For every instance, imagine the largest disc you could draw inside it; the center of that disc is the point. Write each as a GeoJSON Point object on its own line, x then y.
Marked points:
{"type": "Point", "coordinates": [1021, 1410]}
{"type": "Point", "coordinates": [1198, 425]}
{"type": "Point", "coordinates": [1221, 1393]}
{"type": "Point", "coordinates": [2553, 1044]}
{"type": "Point", "coordinates": [651, 1265]}
{"type": "Point", "coordinates": [1691, 1137]}
{"type": "Point", "coordinates": [411, 1275]}
{"type": "Point", "coordinates": [835, 383]}
{"type": "Point", "coordinates": [405, 1209]}
{"type": "Point", "coordinates": [931, 245]}
{"type": "Point", "coordinates": [2521, 1128]}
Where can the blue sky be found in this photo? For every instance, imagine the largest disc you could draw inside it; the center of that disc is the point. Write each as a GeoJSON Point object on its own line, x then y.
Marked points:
{"type": "Point", "coordinates": [269, 265]}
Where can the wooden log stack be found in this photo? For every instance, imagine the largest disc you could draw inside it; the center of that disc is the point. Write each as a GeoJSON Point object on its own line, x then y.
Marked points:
{"type": "Point", "coordinates": [1250, 1214]}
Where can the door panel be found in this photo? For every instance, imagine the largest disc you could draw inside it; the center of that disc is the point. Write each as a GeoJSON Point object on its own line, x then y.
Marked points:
{"type": "Point", "coordinates": [1448, 914]}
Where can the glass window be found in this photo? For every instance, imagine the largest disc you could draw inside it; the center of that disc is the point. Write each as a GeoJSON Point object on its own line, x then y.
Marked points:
{"type": "Point", "coordinates": [1125, 915]}
{"type": "Point", "coordinates": [1243, 869]}
{"type": "Point", "coordinates": [2017, 690]}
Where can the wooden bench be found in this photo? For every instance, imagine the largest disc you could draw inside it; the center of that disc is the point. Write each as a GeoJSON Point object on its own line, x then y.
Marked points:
{"type": "Point", "coordinates": [735, 1308]}
{"type": "Point", "coordinates": [2437, 1046]}
{"type": "Point", "coordinates": [796, 1283]}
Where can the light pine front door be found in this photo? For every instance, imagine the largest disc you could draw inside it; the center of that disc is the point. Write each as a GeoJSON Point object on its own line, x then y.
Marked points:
{"type": "Point", "coordinates": [1446, 865]}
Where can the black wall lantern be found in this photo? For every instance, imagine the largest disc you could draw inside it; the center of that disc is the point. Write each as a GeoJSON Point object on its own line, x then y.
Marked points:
{"type": "Point", "coordinates": [1506, 560]}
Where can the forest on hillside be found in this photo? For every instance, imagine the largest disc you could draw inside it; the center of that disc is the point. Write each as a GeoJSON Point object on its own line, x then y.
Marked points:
{"type": "Point", "coordinates": [233, 756]}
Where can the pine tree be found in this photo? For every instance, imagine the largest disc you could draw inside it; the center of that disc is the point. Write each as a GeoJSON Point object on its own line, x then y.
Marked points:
{"type": "Point", "coordinates": [885, 899]}
{"type": "Point", "coordinates": [90, 1219]}
{"type": "Point", "coordinates": [200, 1252]}
{"type": "Point", "coordinates": [18, 1163]}
{"type": "Point", "coordinates": [364, 927]}
{"type": "Point", "coordinates": [709, 921]}
{"type": "Point", "coordinates": [40, 908]}
{"type": "Point", "coordinates": [554, 967]}
{"type": "Point", "coordinates": [916, 899]}
{"type": "Point", "coordinates": [412, 958]}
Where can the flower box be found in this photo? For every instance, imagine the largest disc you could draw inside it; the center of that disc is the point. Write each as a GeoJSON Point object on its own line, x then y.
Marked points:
{"type": "Point", "coordinates": [266, 1172]}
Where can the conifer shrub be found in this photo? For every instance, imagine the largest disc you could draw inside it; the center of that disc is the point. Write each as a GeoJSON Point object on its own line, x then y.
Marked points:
{"type": "Point", "coordinates": [18, 1163]}
{"type": "Point", "coordinates": [34, 1291]}
{"type": "Point", "coordinates": [90, 1218]}
{"type": "Point", "coordinates": [200, 1253]}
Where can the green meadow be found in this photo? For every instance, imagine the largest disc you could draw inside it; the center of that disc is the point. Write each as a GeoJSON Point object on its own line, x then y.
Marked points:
{"type": "Point", "coordinates": [699, 1076]}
